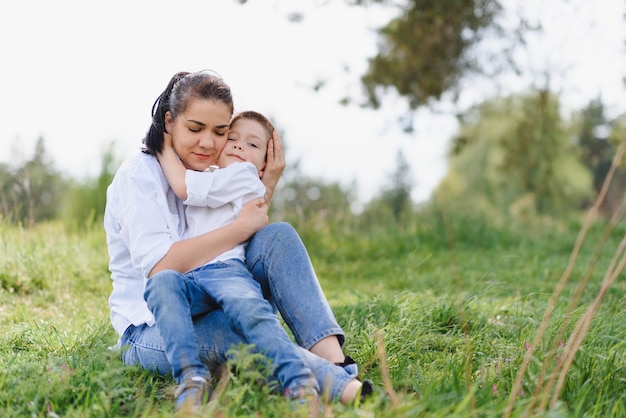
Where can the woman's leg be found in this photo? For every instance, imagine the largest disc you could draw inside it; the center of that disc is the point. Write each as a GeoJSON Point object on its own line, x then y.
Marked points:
{"type": "Point", "coordinates": [143, 346]}
{"type": "Point", "coordinates": [279, 261]}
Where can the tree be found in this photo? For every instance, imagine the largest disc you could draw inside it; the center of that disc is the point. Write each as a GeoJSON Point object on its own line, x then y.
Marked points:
{"type": "Point", "coordinates": [300, 198]}
{"type": "Point", "coordinates": [85, 201]}
{"type": "Point", "coordinates": [431, 46]}
{"type": "Point", "coordinates": [32, 192]}
{"type": "Point", "coordinates": [426, 51]}
{"type": "Point", "coordinates": [7, 196]}
{"type": "Point", "coordinates": [319, 210]}
{"type": "Point", "coordinates": [596, 142]}
{"type": "Point", "coordinates": [514, 155]}
{"type": "Point", "coordinates": [394, 204]}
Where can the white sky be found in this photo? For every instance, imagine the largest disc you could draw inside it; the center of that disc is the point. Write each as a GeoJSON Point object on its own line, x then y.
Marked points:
{"type": "Point", "coordinates": [83, 74]}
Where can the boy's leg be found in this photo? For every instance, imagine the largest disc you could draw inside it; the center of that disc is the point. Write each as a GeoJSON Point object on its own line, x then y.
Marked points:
{"type": "Point", "coordinates": [240, 297]}
{"type": "Point", "coordinates": [170, 297]}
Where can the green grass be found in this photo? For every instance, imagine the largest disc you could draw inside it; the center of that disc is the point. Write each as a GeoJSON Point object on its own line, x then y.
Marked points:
{"type": "Point", "coordinates": [447, 314]}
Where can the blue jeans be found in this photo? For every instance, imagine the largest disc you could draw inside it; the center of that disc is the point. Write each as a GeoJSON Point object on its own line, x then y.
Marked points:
{"type": "Point", "coordinates": [230, 284]}
{"type": "Point", "coordinates": [280, 264]}
{"type": "Point", "coordinates": [279, 261]}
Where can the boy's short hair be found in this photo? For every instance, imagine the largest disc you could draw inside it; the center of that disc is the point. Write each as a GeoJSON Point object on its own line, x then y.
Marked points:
{"type": "Point", "coordinates": [256, 116]}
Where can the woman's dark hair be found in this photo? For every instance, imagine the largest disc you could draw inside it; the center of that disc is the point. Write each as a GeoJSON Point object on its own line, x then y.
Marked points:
{"type": "Point", "coordinates": [182, 87]}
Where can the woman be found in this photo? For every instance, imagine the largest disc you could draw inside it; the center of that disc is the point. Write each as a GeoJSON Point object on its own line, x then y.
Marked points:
{"type": "Point", "coordinates": [144, 223]}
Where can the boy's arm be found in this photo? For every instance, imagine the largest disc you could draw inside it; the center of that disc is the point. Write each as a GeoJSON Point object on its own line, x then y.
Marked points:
{"type": "Point", "coordinates": [222, 186]}
{"type": "Point", "coordinates": [173, 169]}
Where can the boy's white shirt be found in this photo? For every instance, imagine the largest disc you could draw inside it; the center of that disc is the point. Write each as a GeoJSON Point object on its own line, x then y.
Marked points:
{"type": "Point", "coordinates": [214, 199]}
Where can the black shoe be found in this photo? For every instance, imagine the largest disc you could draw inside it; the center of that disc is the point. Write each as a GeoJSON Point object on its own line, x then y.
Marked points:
{"type": "Point", "coordinates": [367, 390]}
{"type": "Point", "coordinates": [347, 360]}
{"type": "Point", "coordinates": [349, 365]}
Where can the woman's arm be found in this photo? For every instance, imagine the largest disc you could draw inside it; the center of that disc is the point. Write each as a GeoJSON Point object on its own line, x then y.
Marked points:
{"type": "Point", "coordinates": [274, 166]}
{"type": "Point", "coordinates": [173, 168]}
{"type": "Point", "coordinates": [189, 253]}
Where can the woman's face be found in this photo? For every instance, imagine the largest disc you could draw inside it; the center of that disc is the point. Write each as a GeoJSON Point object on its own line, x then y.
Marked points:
{"type": "Point", "coordinates": [199, 133]}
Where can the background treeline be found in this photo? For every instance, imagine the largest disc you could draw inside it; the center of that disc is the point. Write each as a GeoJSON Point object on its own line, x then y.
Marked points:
{"type": "Point", "coordinates": [517, 157]}
{"type": "Point", "coordinates": [513, 159]}
{"type": "Point", "coordinates": [35, 190]}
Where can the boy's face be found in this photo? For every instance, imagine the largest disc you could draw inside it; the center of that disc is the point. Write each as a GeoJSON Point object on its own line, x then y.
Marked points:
{"type": "Point", "coordinates": [247, 141]}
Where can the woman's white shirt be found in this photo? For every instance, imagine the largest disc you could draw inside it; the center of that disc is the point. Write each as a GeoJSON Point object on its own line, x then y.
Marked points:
{"type": "Point", "coordinates": [142, 219]}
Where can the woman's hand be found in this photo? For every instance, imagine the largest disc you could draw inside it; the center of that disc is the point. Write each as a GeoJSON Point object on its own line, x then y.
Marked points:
{"type": "Point", "coordinates": [274, 166]}
{"type": "Point", "coordinates": [253, 216]}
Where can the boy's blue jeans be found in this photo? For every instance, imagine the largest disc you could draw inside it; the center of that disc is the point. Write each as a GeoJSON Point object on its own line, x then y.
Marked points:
{"type": "Point", "coordinates": [280, 264]}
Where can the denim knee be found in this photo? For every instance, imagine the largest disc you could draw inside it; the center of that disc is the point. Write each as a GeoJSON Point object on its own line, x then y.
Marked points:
{"type": "Point", "coordinates": [283, 233]}
{"type": "Point", "coordinates": [164, 283]}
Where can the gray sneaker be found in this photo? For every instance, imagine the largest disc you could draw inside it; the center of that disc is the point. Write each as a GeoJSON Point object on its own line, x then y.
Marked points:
{"type": "Point", "coordinates": [191, 395]}
{"type": "Point", "coordinates": [304, 398]}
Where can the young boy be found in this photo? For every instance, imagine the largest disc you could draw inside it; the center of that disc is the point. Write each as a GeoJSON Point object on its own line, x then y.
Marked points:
{"type": "Point", "coordinates": [213, 200]}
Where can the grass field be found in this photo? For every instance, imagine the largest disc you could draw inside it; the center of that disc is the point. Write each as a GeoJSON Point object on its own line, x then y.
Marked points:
{"type": "Point", "coordinates": [447, 320]}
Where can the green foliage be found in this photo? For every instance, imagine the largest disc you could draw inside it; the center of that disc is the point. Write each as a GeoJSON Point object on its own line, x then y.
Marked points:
{"type": "Point", "coordinates": [31, 191]}
{"type": "Point", "coordinates": [428, 48]}
{"type": "Point", "coordinates": [34, 191]}
{"type": "Point", "coordinates": [597, 142]}
{"type": "Point", "coordinates": [453, 301]}
{"type": "Point", "coordinates": [85, 201]}
{"type": "Point", "coordinates": [512, 159]}
{"type": "Point", "coordinates": [513, 156]}
{"type": "Point", "coordinates": [593, 145]}
{"type": "Point", "coordinates": [394, 204]}
{"type": "Point", "coordinates": [303, 198]}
